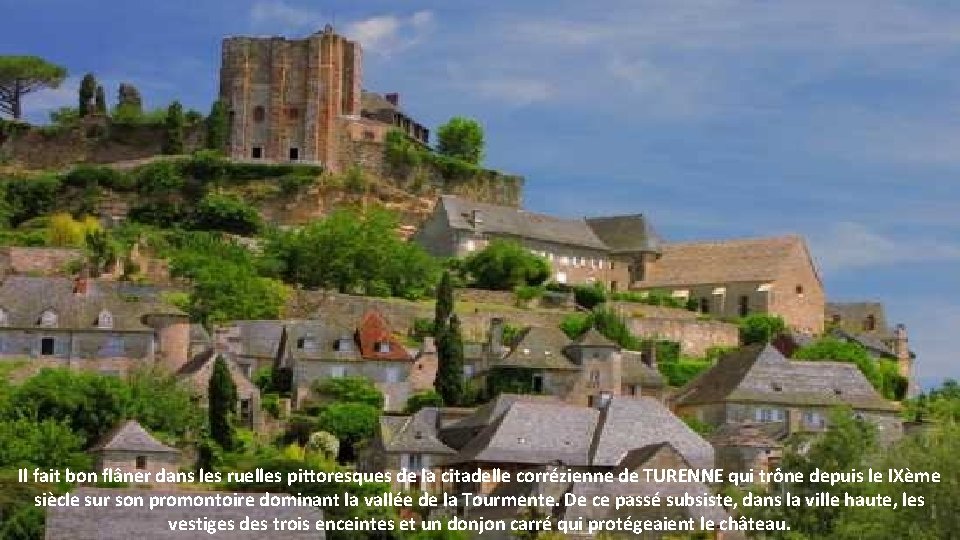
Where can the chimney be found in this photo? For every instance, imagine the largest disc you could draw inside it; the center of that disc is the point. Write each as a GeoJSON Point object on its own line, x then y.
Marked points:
{"type": "Point", "coordinates": [495, 343]}
{"type": "Point", "coordinates": [393, 98]}
{"type": "Point", "coordinates": [900, 346]}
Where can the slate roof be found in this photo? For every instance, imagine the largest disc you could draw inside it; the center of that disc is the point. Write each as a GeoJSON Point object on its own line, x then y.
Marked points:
{"type": "Point", "coordinates": [516, 430]}
{"type": "Point", "coordinates": [114, 523]}
{"type": "Point", "coordinates": [750, 434]}
{"type": "Point", "coordinates": [198, 370]}
{"type": "Point", "coordinates": [25, 298]}
{"type": "Point", "coordinates": [749, 259]}
{"type": "Point", "coordinates": [319, 339]}
{"type": "Point", "coordinates": [761, 374]}
{"type": "Point", "coordinates": [374, 102]}
{"type": "Point", "coordinates": [258, 339]}
{"type": "Point", "coordinates": [131, 437]}
{"type": "Point", "coordinates": [511, 221]}
{"type": "Point", "coordinates": [416, 433]}
{"type": "Point", "coordinates": [538, 348]}
{"type": "Point", "coordinates": [629, 423]}
{"type": "Point", "coordinates": [852, 314]}
{"type": "Point", "coordinates": [635, 371]}
{"type": "Point", "coordinates": [872, 342]}
{"type": "Point", "coordinates": [593, 338]}
{"type": "Point", "coordinates": [626, 234]}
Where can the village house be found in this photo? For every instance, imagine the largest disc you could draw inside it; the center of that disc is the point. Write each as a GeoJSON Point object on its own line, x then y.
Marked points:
{"type": "Point", "coordinates": [516, 433]}
{"type": "Point", "coordinates": [196, 375]}
{"type": "Point", "coordinates": [312, 350]}
{"type": "Point", "coordinates": [130, 448]}
{"type": "Point", "coordinates": [758, 384]}
{"type": "Point", "coordinates": [601, 250]}
{"type": "Point", "coordinates": [83, 323]}
{"type": "Point", "coordinates": [583, 371]}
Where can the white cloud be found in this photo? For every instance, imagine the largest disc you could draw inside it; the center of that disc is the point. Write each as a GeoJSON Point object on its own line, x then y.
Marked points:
{"type": "Point", "coordinates": [517, 91]}
{"type": "Point", "coordinates": [37, 106]}
{"type": "Point", "coordinates": [849, 245]}
{"type": "Point", "coordinates": [279, 16]}
{"type": "Point", "coordinates": [389, 34]}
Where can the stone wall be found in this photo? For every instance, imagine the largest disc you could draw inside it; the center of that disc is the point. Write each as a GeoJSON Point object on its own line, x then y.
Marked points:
{"type": "Point", "coordinates": [36, 260]}
{"type": "Point", "coordinates": [694, 336]}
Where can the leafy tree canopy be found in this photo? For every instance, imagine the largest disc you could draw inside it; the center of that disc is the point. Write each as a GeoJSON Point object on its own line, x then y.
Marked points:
{"type": "Point", "coordinates": [505, 265]}
{"type": "Point", "coordinates": [461, 138]}
{"type": "Point", "coordinates": [760, 328]}
{"type": "Point", "coordinates": [350, 390]}
{"type": "Point", "coordinates": [22, 75]}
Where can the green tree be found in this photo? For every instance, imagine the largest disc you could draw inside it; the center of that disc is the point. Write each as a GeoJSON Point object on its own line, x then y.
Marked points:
{"type": "Point", "coordinates": [461, 138]}
{"type": "Point", "coordinates": [227, 291]}
{"type": "Point", "coordinates": [760, 328]}
{"type": "Point", "coordinates": [101, 249]}
{"type": "Point", "coordinates": [351, 423]}
{"type": "Point", "coordinates": [173, 129]}
{"type": "Point", "coordinates": [222, 407]}
{"type": "Point", "coordinates": [829, 348]}
{"type": "Point", "coordinates": [225, 212]}
{"type": "Point", "coordinates": [48, 443]}
{"type": "Point", "coordinates": [505, 265]}
{"type": "Point", "coordinates": [427, 398]}
{"type": "Point", "coordinates": [350, 390]}
{"type": "Point", "coordinates": [449, 380]}
{"type": "Point", "coordinates": [100, 101]}
{"type": "Point", "coordinates": [218, 127]}
{"type": "Point", "coordinates": [22, 75]}
{"type": "Point", "coordinates": [444, 304]}
{"type": "Point", "coordinates": [86, 94]}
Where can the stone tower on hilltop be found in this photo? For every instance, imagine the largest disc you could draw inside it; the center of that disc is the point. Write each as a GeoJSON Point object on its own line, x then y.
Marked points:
{"type": "Point", "coordinates": [289, 98]}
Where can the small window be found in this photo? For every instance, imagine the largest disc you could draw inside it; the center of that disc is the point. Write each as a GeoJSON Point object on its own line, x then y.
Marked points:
{"type": "Point", "coordinates": [259, 114]}
{"type": "Point", "coordinates": [744, 306]}
{"type": "Point", "coordinates": [47, 346]}
{"type": "Point", "coordinates": [337, 371]}
{"type": "Point", "coordinates": [870, 323]}
{"type": "Point", "coordinates": [141, 462]}
{"type": "Point", "coordinates": [293, 113]}
{"type": "Point", "coordinates": [105, 319]}
{"type": "Point", "coordinates": [704, 305]}
{"type": "Point", "coordinates": [343, 345]}
{"type": "Point", "coordinates": [561, 277]}
{"type": "Point", "coordinates": [382, 347]}
{"type": "Point", "coordinates": [294, 154]}
{"type": "Point", "coordinates": [368, 135]}
{"type": "Point", "coordinates": [799, 290]}
{"type": "Point", "coordinates": [257, 152]}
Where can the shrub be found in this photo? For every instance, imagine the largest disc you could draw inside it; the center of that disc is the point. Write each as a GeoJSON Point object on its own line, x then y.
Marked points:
{"type": "Point", "coordinates": [504, 265]}
{"type": "Point", "coordinates": [222, 212]}
{"type": "Point", "coordinates": [422, 327]}
{"type": "Point", "coordinates": [428, 398]}
{"type": "Point", "coordinates": [760, 328]}
{"type": "Point", "coordinates": [159, 213]}
{"type": "Point", "coordinates": [292, 184]}
{"type": "Point", "coordinates": [589, 296]}
{"type": "Point", "coordinates": [350, 390]}
{"type": "Point", "coordinates": [526, 293]}
{"type": "Point", "coordinates": [206, 165]}
{"type": "Point", "coordinates": [461, 138]}
{"type": "Point", "coordinates": [681, 372]}
{"type": "Point", "coordinates": [400, 151]}
{"type": "Point", "coordinates": [160, 177]}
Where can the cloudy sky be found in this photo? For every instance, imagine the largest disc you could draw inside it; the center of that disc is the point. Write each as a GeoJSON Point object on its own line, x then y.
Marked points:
{"type": "Point", "coordinates": [718, 118]}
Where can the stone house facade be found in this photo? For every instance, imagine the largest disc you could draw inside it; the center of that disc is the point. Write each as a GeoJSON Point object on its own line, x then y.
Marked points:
{"type": "Point", "coordinates": [130, 448]}
{"type": "Point", "coordinates": [588, 370]}
{"type": "Point", "coordinates": [90, 324]}
{"type": "Point", "coordinates": [197, 372]}
{"type": "Point", "coordinates": [758, 384]}
{"type": "Point", "coordinates": [600, 250]}
{"type": "Point", "coordinates": [295, 99]}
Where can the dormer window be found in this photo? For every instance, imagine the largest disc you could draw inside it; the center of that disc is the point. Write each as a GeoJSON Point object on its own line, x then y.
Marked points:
{"type": "Point", "coordinates": [105, 319]}
{"type": "Point", "coordinates": [343, 345]}
{"type": "Point", "coordinates": [382, 347]}
{"type": "Point", "coordinates": [48, 318]}
{"type": "Point", "coordinates": [307, 342]}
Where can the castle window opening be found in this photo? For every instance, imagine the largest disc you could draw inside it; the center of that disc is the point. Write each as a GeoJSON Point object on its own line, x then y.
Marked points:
{"type": "Point", "coordinates": [256, 152]}
{"type": "Point", "coordinates": [294, 154]}
{"type": "Point", "coordinates": [293, 113]}
{"type": "Point", "coordinates": [799, 290]}
{"type": "Point", "coordinates": [259, 114]}
{"type": "Point", "coordinates": [704, 305]}
{"type": "Point", "coordinates": [368, 135]}
{"type": "Point", "coordinates": [537, 385]}
{"type": "Point", "coordinates": [870, 323]}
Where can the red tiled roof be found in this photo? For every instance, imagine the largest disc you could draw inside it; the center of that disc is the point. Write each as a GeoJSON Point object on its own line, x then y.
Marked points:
{"type": "Point", "coordinates": [374, 329]}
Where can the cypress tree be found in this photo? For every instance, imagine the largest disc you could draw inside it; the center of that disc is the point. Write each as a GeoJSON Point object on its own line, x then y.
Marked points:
{"type": "Point", "coordinates": [444, 307]}
{"type": "Point", "coordinates": [173, 138]}
{"type": "Point", "coordinates": [101, 102]}
{"type": "Point", "coordinates": [222, 407]}
{"type": "Point", "coordinates": [88, 88]}
{"type": "Point", "coordinates": [449, 381]}
{"type": "Point", "coordinates": [218, 126]}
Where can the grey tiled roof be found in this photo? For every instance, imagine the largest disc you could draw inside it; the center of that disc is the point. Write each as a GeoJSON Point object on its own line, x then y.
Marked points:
{"type": "Point", "coordinates": [24, 299]}
{"type": "Point", "coordinates": [626, 234]}
{"type": "Point", "coordinates": [750, 434]}
{"type": "Point", "coordinates": [538, 347]}
{"type": "Point", "coordinates": [116, 523]}
{"type": "Point", "coordinates": [259, 339]}
{"type": "Point", "coordinates": [415, 433]}
{"type": "Point", "coordinates": [511, 221]}
{"type": "Point", "coordinates": [593, 338]}
{"type": "Point", "coordinates": [131, 437]}
{"type": "Point", "coordinates": [629, 423]}
{"type": "Point", "coordinates": [761, 374]}
{"type": "Point", "coordinates": [637, 372]}
{"type": "Point", "coordinates": [873, 343]}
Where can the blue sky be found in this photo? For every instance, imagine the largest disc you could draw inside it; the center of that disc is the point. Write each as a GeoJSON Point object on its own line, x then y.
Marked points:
{"type": "Point", "coordinates": [836, 120]}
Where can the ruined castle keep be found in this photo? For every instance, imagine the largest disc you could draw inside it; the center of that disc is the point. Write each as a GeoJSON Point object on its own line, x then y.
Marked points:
{"type": "Point", "coordinates": [303, 100]}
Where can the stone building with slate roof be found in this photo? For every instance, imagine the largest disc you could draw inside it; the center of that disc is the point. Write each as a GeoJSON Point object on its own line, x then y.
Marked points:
{"type": "Point", "coordinates": [582, 371]}
{"type": "Point", "coordinates": [197, 372]}
{"type": "Point", "coordinates": [130, 448]}
{"type": "Point", "coordinates": [410, 443]}
{"type": "Point", "coordinates": [123, 523]}
{"type": "Point", "coordinates": [747, 446]}
{"type": "Point", "coordinates": [734, 278]}
{"type": "Point", "coordinates": [595, 250]}
{"type": "Point", "coordinates": [334, 346]}
{"type": "Point", "coordinates": [82, 323]}
{"type": "Point", "coordinates": [757, 383]}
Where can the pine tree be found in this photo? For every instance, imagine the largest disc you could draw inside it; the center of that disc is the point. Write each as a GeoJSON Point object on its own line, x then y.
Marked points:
{"type": "Point", "coordinates": [449, 381]}
{"type": "Point", "coordinates": [218, 126]}
{"type": "Point", "coordinates": [444, 307]}
{"type": "Point", "coordinates": [222, 395]}
{"type": "Point", "coordinates": [173, 138]}
{"type": "Point", "coordinates": [101, 102]}
{"type": "Point", "coordinates": [88, 88]}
